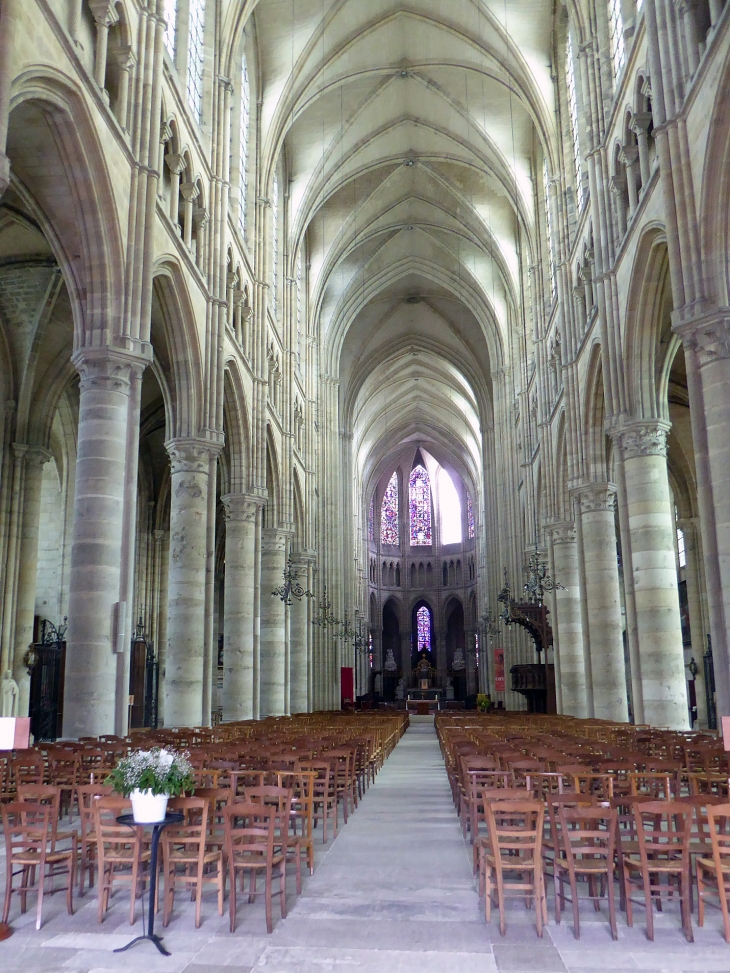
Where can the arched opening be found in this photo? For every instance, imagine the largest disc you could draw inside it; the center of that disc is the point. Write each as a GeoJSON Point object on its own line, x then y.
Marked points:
{"type": "Point", "coordinates": [456, 648]}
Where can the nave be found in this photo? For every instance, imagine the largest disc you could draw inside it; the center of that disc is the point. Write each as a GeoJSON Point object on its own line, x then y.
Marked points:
{"type": "Point", "coordinates": [393, 892]}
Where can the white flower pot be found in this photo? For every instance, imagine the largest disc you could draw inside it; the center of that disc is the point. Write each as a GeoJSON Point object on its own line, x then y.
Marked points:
{"type": "Point", "coordinates": [148, 808]}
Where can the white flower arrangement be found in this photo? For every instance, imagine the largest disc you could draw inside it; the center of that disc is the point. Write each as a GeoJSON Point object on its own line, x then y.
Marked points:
{"type": "Point", "coordinates": [159, 771]}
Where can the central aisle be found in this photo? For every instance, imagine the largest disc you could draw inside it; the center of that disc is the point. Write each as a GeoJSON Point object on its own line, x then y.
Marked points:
{"type": "Point", "coordinates": [395, 893]}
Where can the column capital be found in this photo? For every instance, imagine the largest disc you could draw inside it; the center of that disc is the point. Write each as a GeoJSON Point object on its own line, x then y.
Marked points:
{"type": "Point", "coordinates": [640, 121]}
{"type": "Point", "coordinates": [36, 456]}
{"type": "Point", "coordinates": [175, 161]}
{"type": "Point", "coordinates": [563, 533]}
{"type": "Point", "coordinates": [104, 12]}
{"type": "Point", "coordinates": [275, 539]}
{"type": "Point", "coordinates": [190, 455]}
{"type": "Point", "coordinates": [111, 368]}
{"type": "Point", "coordinates": [707, 332]}
{"type": "Point", "coordinates": [596, 496]}
{"type": "Point", "coordinates": [304, 558]}
{"type": "Point", "coordinates": [241, 507]}
{"type": "Point", "coordinates": [645, 438]}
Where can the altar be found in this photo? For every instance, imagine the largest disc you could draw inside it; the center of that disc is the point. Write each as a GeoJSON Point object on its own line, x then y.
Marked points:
{"type": "Point", "coordinates": [423, 702]}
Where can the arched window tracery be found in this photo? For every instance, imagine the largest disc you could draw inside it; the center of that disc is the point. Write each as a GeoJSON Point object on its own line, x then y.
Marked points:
{"type": "Point", "coordinates": [389, 533]}
{"type": "Point", "coordinates": [196, 56]}
{"type": "Point", "coordinates": [171, 27]}
{"type": "Point", "coordinates": [419, 502]}
{"type": "Point", "coordinates": [616, 36]}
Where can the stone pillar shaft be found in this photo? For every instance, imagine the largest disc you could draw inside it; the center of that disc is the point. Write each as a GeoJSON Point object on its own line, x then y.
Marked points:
{"type": "Point", "coordinates": [273, 624]}
{"type": "Point", "coordinates": [35, 458]}
{"type": "Point", "coordinates": [568, 621]}
{"type": "Point", "coordinates": [97, 540]}
{"type": "Point", "coordinates": [299, 643]}
{"type": "Point", "coordinates": [238, 607]}
{"type": "Point", "coordinates": [603, 607]}
{"type": "Point", "coordinates": [654, 568]}
{"type": "Point", "coordinates": [184, 668]}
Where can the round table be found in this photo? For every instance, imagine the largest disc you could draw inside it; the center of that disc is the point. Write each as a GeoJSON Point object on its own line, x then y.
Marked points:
{"type": "Point", "coordinates": [157, 829]}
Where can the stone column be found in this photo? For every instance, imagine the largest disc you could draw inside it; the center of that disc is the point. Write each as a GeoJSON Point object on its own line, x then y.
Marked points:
{"type": "Point", "coordinates": [568, 622]}
{"type": "Point", "coordinates": [35, 458]}
{"type": "Point", "coordinates": [190, 461]}
{"type": "Point", "coordinates": [105, 16]}
{"type": "Point", "coordinates": [299, 640]}
{"type": "Point", "coordinates": [603, 605]}
{"type": "Point", "coordinates": [238, 606]}
{"type": "Point", "coordinates": [659, 630]}
{"type": "Point", "coordinates": [273, 624]}
{"type": "Point", "coordinates": [105, 403]}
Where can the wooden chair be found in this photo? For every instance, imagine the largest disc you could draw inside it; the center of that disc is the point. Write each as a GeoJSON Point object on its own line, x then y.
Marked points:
{"type": "Point", "coordinates": [186, 859]}
{"type": "Point", "coordinates": [302, 811]}
{"type": "Point", "coordinates": [664, 831]}
{"type": "Point", "coordinates": [87, 851]}
{"type": "Point", "coordinates": [50, 796]}
{"type": "Point", "coordinates": [713, 874]}
{"type": "Point", "coordinates": [29, 853]}
{"type": "Point", "coordinates": [120, 852]}
{"type": "Point", "coordinates": [250, 848]}
{"type": "Point", "coordinates": [515, 833]}
{"type": "Point", "coordinates": [587, 837]}
{"type": "Point", "coordinates": [280, 799]}
{"type": "Point", "coordinates": [63, 772]}
{"type": "Point", "coordinates": [325, 795]}
{"type": "Point", "coordinates": [29, 769]}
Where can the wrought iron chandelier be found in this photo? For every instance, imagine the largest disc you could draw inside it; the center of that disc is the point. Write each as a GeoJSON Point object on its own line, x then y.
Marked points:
{"type": "Point", "coordinates": [325, 617]}
{"type": "Point", "coordinates": [292, 587]}
{"type": "Point", "coordinates": [538, 580]}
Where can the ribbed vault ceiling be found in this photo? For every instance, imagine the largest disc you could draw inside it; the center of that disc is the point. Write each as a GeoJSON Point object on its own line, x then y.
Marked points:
{"type": "Point", "coordinates": [410, 133]}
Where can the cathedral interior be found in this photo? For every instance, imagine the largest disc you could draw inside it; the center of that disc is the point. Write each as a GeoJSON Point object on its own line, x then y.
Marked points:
{"type": "Point", "coordinates": [359, 355]}
{"type": "Point", "coordinates": [257, 275]}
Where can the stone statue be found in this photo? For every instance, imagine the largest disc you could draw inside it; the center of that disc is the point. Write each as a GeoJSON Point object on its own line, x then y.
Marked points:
{"type": "Point", "coordinates": [449, 688]}
{"type": "Point", "coordinates": [400, 689]}
{"type": "Point", "coordinates": [390, 663]}
{"type": "Point", "coordinates": [459, 661]}
{"type": "Point", "coordinates": [9, 692]}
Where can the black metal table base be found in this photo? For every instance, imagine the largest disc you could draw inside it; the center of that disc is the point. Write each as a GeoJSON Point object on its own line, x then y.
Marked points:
{"type": "Point", "coordinates": [156, 831]}
{"type": "Point", "coordinates": [157, 940]}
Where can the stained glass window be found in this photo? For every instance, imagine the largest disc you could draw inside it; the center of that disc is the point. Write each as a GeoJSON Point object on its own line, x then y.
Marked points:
{"type": "Point", "coordinates": [243, 141]}
{"type": "Point", "coordinates": [423, 626]}
{"type": "Point", "coordinates": [389, 513]}
{"type": "Point", "coordinates": [470, 516]}
{"type": "Point", "coordinates": [419, 497]}
{"type": "Point", "coordinates": [449, 508]}
{"type": "Point", "coordinates": [573, 109]}
{"type": "Point", "coordinates": [196, 56]}
{"type": "Point", "coordinates": [170, 26]}
{"type": "Point", "coordinates": [616, 35]}
{"type": "Point", "coordinates": [371, 520]}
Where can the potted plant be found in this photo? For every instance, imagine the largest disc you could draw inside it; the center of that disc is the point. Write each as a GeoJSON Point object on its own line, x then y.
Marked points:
{"type": "Point", "coordinates": [149, 778]}
{"type": "Point", "coordinates": [483, 702]}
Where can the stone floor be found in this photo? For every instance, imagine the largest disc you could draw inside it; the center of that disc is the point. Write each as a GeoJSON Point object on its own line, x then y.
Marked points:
{"type": "Point", "coordinates": [393, 893]}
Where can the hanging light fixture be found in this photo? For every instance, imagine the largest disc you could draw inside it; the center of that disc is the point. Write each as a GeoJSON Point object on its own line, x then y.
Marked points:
{"type": "Point", "coordinates": [538, 580]}
{"type": "Point", "coordinates": [325, 617]}
{"type": "Point", "coordinates": [291, 587]}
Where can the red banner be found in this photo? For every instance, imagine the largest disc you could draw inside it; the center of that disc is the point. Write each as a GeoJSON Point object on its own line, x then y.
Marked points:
{"type": "Point", "coordinates": [499, 686]}
{"type": "Point", "coordinates": [347, 685]}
